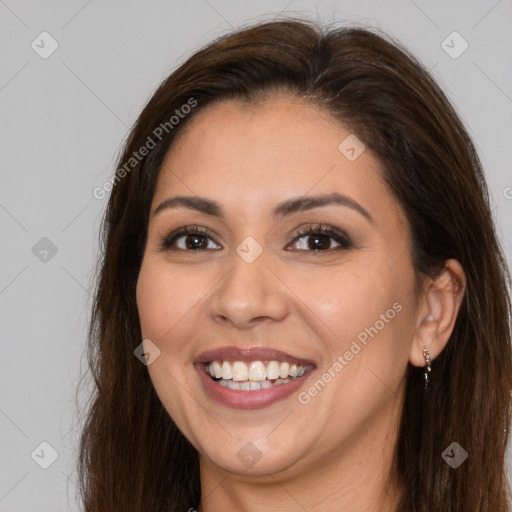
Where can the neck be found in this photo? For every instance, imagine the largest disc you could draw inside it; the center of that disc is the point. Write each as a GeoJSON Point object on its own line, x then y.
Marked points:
{"type": "Point", "coordinates": [359, 475]}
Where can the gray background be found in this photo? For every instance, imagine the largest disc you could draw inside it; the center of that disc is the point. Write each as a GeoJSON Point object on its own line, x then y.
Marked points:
{"type": "Point", "coordinates": [63, 119]}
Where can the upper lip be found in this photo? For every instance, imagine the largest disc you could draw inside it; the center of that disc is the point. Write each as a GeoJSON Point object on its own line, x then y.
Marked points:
{"type": "Point", "coordinates": [231, 353]}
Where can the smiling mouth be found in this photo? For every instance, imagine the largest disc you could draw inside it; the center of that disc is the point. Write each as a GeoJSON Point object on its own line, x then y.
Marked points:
{"type": "Point", "coordinates": [255, 375]}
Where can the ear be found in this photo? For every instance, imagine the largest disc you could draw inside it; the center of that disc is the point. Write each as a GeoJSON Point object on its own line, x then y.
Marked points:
{"type": "Point", "coordinates": [439, 305]}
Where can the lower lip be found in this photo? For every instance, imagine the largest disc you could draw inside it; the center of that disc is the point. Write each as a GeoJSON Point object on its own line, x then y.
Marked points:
{"type": "Point", "coordinates": [255, 399]}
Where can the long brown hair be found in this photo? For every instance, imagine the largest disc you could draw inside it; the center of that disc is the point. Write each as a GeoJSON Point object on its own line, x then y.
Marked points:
{"type": "Point", "coordinates": [132, 456]}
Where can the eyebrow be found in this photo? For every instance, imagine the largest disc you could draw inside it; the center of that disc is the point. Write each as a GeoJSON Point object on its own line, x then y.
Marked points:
{"type": "Point", "coordinates": [288, 207]}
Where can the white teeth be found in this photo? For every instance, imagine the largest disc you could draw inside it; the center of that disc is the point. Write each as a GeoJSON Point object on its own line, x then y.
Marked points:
{"type": "Point", "coordinates": [240, 371]}
{"type": "Point", "coordinates": [273, 370]}
{"type": "Point", "coordinates": [226, 371]}
{"type": "Point", "coordinates": [252, 386]}
{"type": "Point", "coordinates": [256, 371]}
{"type": "Point", "coordinates": [283, 372]}
{"type": "Point", "coordinates": [296, 371]}
{"type": "Point", "coordinates": [217, 370]}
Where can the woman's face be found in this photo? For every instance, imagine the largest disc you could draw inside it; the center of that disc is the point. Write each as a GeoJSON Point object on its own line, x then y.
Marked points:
{"type": "Point", "coordinates": [257, 295]}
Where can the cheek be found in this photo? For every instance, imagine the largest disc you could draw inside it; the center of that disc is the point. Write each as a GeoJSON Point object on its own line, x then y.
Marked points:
{"type": "Point", "coordinates": [150, 300]}
{"type": "Point", "coordinates": [163, 302]}
{"type": "Point", "coordinates": [165, 299]}
{"type": "Point", "coordinates": [351, 298]}
{"type": "Point", "coordinates": [160, 300]}
{"type": "Point", "coordinates": [367, 309]}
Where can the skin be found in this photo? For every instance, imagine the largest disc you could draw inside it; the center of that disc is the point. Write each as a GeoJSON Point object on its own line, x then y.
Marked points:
{"type": "Point", "coordinates": [335, 452]}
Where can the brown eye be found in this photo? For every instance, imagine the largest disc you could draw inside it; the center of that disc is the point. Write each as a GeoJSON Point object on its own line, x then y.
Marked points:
{"type": "Point", "coordinates": [188, 239]}
{"type": "Point", "coordinates": [320, 238]}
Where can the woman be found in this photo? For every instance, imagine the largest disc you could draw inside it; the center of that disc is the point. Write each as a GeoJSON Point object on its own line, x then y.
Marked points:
{"type": "Point", "coordinates": [299, 247]}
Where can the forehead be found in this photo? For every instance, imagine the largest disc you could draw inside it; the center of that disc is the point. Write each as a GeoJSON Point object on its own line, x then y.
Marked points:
{"type": "Point", "coordinates": [253, 155]}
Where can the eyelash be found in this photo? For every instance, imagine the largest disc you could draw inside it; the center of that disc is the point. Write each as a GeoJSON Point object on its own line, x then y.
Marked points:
{"type": "Point", "coordinates": [320, 229]}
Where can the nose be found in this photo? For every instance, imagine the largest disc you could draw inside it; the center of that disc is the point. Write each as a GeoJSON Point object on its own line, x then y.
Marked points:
{"type": "Point", "coordinates": [249, 294]}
